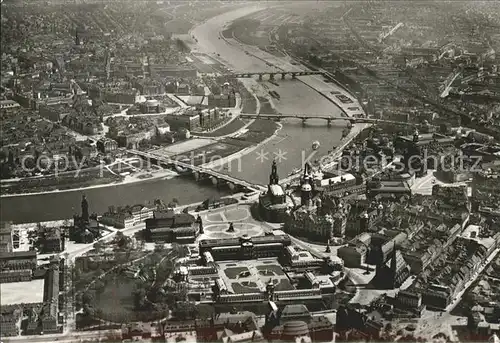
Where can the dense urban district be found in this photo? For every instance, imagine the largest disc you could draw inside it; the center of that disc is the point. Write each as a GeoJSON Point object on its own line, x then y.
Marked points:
{"type": "Point", "coordinates": [351, 150]}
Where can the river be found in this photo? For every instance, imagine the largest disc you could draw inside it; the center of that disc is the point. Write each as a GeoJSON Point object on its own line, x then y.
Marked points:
{"type": "Point", "coordinates": [292, 143]}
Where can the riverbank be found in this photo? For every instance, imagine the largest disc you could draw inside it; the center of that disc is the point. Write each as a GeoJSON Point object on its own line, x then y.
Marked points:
{"type": "Point", "coordinates": [291, 142]}
{"type": "Point", "coordinates": [252, 143]}
{"type": "Point", "coordinates": [227, 161]}
{"type": "Point", "coordinates": [130, 179]}
{"type": "Point", "coordinates": [325, 85]}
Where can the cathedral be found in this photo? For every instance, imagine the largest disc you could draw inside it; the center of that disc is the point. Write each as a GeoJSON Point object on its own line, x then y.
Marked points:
{"type": "Point", "coordinates": [274, 204]}
{"type": "Point", "coordinates": [316, 218]}
{"type": "Point", "coordinates": [85, 227]}
{"type": "Point", "coordinates": [392, 273]}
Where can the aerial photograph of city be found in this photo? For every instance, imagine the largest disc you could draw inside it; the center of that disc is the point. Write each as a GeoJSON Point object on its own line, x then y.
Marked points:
{"type": "Point", "coordinates": [250, 171]}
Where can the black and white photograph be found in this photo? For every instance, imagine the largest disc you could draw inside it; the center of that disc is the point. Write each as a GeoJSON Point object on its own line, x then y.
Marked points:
{"type": "Point", "coordinates": [227, 171]}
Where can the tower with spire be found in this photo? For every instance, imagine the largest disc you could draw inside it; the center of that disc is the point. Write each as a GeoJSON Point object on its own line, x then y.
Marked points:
{"type": "Point", "coordinates": [273, 177]}
{"type": "Point", "coordinates": [85, 209]}
{"type": "Point", "coordinates": [273, 203]}
{"type": "Point", "coordinates": [78, 38]}
{"type": "Point", "coordinates": [393, 272]}
{"type": "Point", "coordinates": [416, 136]}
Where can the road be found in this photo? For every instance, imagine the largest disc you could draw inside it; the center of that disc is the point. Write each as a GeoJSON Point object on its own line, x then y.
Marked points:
{"type": "Point", "coordinates": [425, 184]}
{"type": "Point", "coordinates": [234, 55]}
{"type": "Point", "coordinates": [75, 337]}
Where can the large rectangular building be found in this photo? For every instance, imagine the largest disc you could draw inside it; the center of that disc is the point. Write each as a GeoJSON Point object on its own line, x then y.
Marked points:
{"type": "Point", "coordinates": [51, 301]}
{"type": "Point", "coordinates": [171, 227]}
{"type": "Point", "coordinates": [18, 260]}
{"type": "Point", "coordinates": [6, 237]}
{"type": "Point", "coordinates": [16, 275]}
{"type": "Point", "coordinates": [244, 248]}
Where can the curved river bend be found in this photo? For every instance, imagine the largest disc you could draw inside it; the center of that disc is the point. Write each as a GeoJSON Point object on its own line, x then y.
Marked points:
{"type": "Point", "coordinates": [293, 140]}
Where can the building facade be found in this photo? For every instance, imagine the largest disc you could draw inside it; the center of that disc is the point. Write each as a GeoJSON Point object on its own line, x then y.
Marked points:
{"type": "Point", "coordinates": [273, 204]}
{"type": "Point", "coordinates": [245, 248]}
{"type": "Point", "coordinates": [167, 226]}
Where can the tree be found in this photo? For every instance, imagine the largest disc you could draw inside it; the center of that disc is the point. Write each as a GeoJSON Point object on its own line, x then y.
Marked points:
{"type": "Point", "coordinates": [174, 203]}
{"type": "Point", "coordinates": [98, 246]}
{"type": "Point", "coordinates": [87, 298]}
{"type": "Point", "coordinates": [184, 310]}
{"type": "Point", "coordinates": [180, 250]}
{"type": "Point", "coordinates": [139, 298]}
{"type": "Point", "coordinates": [181, 45]}
{"type": "Point", "coordinates": [99, 285]}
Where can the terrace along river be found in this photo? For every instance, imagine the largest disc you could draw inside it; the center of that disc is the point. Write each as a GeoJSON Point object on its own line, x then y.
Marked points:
{"type": "Point", "coordinates": [293, 139]}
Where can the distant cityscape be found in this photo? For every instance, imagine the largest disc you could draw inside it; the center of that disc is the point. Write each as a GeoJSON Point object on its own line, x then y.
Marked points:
{"type": "Point", "coordinates": [226, 171]}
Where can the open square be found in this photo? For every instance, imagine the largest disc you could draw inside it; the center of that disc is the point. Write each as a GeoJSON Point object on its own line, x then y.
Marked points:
{"type": "Point", "coordinates": [253, 276]}
{"type": "Point", "coordinates": [217, 224]}
{"type": "Point", "coordinates": [22, 292]}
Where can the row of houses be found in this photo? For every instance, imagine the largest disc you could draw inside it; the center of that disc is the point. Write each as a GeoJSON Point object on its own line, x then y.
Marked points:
{"type": "Point", "coordinates": [43, 317]}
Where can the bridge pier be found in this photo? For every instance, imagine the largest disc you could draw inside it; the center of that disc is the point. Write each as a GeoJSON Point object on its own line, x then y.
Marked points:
{"type": "Point", "coordinates": [214, 180]}
{"type": "Point", "coordinates": [260, 77]}
{"type": "Point", "coordinates": [294, 75]}
{"type": "Point", "coordinates": [329, 122]}
{"type": "Point", "coordinates": [231, 186]}
{"type": "Point", "coordinates": [271, 76]}
{"type": "Point", "coordinates": [304, 121]}
{"type": "Point", "coordinates": [283, 76]}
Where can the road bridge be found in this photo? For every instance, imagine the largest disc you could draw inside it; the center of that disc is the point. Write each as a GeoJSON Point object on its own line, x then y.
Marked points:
{"type": "Point", "coordinates": [273, 74]}
{"type": "Point", "coordinates": [327, 118]}
{"type": "Point", "coordinates": [198, 171]}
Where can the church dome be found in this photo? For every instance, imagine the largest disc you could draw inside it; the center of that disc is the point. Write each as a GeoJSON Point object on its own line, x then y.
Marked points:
{"type": "Point", "coordinates": [306, 187]}
{"type": "Point", "coordinates": [295, 328]}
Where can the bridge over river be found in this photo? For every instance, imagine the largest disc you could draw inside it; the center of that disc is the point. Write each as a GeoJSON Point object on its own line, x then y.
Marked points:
{"type": "Point", "coordinates": [198, 172]}
{"type": "Point", "coordinates": [272, 74]}
{"type": "Point", "coordinates": [328, 119]}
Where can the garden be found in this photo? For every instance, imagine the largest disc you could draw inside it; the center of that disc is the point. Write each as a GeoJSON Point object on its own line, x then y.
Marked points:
{"type": "Point", "coordinates": [138, 290]}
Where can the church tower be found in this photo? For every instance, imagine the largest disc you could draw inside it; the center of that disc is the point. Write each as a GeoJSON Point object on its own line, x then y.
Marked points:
{"type": "Point", "coordinates": [270, 290]}
{"type": "Point", "coordinates": [78, 38]}
{"type": "Point", "coordinates": [273, 177]}
{"type": "Point", "coordinates": [306, 194]}
{"type": "Point", "coordinates": [416, 136]}
{"type": "Point", "coordinates": [85, 209]}
{"type": "Point", "coordinates": [393, 268]}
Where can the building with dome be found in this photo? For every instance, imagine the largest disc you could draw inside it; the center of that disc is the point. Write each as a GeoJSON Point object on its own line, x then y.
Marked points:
{"type": "Point", "coordinates": [313, 219]}
{"type": "Point", "coordinates": [274, 204]}
{"type": "Point", "coordinates": [294, 323]}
